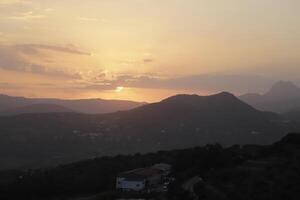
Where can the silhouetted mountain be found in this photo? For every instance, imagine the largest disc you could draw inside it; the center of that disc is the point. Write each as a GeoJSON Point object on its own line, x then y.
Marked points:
{"type": "Point", "coordinates": [177, 122]}
{"type": "Point", "coordinates": [282, 97]}
{"type": "Point", "coordinates": [197, 111]}
{"type": "Point", "coordinates": [290, 139]}
{"type": "Point", "coordinates": [36, 108]}
{"type": "Point", "coordinates": [89, 106]}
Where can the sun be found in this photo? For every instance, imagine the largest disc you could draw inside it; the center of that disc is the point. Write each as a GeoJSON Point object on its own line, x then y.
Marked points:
{"type": "Point", "coordinates": [119, 89]}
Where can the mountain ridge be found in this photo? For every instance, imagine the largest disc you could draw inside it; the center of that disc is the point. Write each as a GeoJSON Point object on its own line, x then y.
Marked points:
{"type": "Point", "coordinates": [173, 123]}
{"type": "Point", "coordinates": [283, 96]}
{"type": "Point", "coordinates": [88, 106]}
{"type": "Point", "coordinates": [36, 108]}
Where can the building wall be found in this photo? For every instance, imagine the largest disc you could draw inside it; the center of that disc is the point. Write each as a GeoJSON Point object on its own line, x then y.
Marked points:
{"type": "Point", "coordinates": [124, 184]}
{"type": "Point", "coordinates": [166, 168]}
{"type": "Point", "coordinates": [154, 180]}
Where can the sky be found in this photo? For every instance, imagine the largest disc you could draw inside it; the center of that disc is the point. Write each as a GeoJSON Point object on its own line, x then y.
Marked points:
{"type": "Point", "coordinates": [146, 50]}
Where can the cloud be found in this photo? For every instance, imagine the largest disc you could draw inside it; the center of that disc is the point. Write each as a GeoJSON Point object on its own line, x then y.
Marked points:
{"type": "Point", "coordinates": [13, 2]}
{"type": "Point", "coordinates": [39, 69]}
{"type": "Point", "coordinates": [27, 16]}
{"type": "Point", "coordinates": [6, 85]}
{"type": "Point", "coordinates": [135, 62]}
{"type": "Point", "coordinates": [11, 59]}
{"type": "Point", "coordinates": [33, 49]}
{"type": "Point", "coordinates": [208, 83]}
{"type": "Point", "coordinates": [99, 87]}
{"type": "Point", "coordinates": [148, 60]}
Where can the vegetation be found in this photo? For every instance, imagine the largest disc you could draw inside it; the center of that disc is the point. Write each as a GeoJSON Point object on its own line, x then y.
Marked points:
{"type": "Point", "coordinates": [247, 172]}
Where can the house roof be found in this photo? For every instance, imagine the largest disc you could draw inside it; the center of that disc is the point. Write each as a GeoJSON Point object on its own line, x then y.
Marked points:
{"type": "Point", "coordinates": [162, 166]}
{"type": "Point", "coordinates": [140, 174]}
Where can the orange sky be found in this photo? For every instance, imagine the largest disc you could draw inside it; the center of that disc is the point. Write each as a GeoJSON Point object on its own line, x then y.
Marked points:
{"type": "Point", "coordinates": [142, 49]}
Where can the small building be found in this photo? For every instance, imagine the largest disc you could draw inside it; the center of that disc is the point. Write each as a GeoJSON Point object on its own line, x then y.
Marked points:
{"type": "Point", "coordinates": [142, 179]}
{"type": "Point", "coordinates": [165, 168]}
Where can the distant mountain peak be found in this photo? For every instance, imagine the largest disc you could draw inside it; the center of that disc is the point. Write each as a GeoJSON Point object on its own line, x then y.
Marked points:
{"type": "Point", "coordinates": [179, 104]}
{"type": "Point", "coordinates": [194, 97]}
{"type": "Point", "coordinates": [284, 96]}
{"type": "Point", "coordinates": [284, 89]}
{"type": "Point", "coordinates": [224, 95]}
{"type": "Point", "coordinates": [283, 85]}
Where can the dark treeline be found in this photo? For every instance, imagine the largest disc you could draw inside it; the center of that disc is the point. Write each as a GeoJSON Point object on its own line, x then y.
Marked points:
{"type": "Point", "coordinates": [247, 172]}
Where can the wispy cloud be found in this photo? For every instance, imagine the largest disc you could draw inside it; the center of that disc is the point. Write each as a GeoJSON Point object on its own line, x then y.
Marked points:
{"type": "Point", "coordinates": [237, 84]}
{"type": "Point", "coordinates": [13, 2]}
{"type": "Point", "coordinates": [2, 37]}
{"type": "Point", "coordinates": [6, 85]}
{"type": "Point", "coordinates": [148, 60]}
{"type": "Point", "coordinates": [33, 49]}
{"type": "Point", "coordinates": [11, 59]}
{"type": "Point", "coordinates": [27, 16]}
{"type": "Point", "coordinates": [136, 62]}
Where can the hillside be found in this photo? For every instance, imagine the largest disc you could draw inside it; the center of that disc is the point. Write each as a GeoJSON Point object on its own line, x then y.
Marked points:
{"type": "Point", "coordinates": [177, 122]}
{"type": "Point", "coordinates": [36, 108]}
{"type": "Point", "coordinates": [282, 97]}
{"type": "Point", "coordinates": [88, 106]}
{"type": "Point", "coordinates": [233, 173]}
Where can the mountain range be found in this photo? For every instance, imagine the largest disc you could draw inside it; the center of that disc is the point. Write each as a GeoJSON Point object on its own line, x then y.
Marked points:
{"type": "Point", "coordinates": [10, 105]}
{"type": "Point", "coordinates": [45, 139]}
{"type": "Point", "coordinates": [283, 97]}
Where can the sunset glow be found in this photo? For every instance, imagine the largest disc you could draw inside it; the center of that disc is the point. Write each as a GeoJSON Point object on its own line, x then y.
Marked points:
{"type": "Point", "coordinates": [134, 48]}
{"type": "Point", "coordinates": [119, 89]}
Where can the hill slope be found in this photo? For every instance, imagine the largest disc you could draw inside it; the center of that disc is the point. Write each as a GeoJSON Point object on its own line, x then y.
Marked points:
{"type": "Point", "coordinates": [233, 173]}
{"type": "Point", "coordinates": [89, 106]}
{"type": "Point", "coordinates": [177, 122]}
{"type": "Point", "coordinates": [36, 108]}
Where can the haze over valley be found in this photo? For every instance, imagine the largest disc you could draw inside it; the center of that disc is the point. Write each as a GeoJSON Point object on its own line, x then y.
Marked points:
{"type": "Point", "coordinates": [61, 135]}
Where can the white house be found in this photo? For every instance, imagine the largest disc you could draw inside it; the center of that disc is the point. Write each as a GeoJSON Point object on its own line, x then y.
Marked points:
{"type": "Point", "coordinates": [139, 179]}
{"type": "Point", "coordinates": [131, 184]}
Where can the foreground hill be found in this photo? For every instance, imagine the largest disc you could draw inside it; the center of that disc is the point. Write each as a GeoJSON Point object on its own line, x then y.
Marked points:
{"type": "Point", "coordinates": [234, 173]}
{"type": "Point", "coordinates": [35, 140]}
{"type": "Point", "coordinates": [282, 97]}
{"type": "Point", "coordinates": [89, 106]}
{"type": "Point", "coordinates": [36, 108]}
